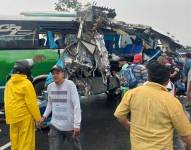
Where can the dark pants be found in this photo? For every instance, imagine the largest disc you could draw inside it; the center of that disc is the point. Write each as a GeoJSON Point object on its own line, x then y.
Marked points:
{"type": "Point", "coordinates": [57, 138]}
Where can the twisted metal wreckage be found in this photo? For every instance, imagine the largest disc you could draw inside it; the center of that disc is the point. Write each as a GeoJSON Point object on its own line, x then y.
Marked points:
{"type": "Point", "coordinates": [88, 63]}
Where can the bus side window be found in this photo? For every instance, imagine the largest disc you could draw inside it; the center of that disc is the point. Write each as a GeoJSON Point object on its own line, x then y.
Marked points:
{"type": "Point", "coordinates": [59, 40]}
{"type": "Point", "coordinates": [42, 40]}
{"type": "Point", "coordinates": [51, 40]}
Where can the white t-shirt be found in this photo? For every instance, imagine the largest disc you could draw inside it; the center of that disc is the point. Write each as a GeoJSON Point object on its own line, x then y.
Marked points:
{"type": "Point", "coordinates": [64, 103]}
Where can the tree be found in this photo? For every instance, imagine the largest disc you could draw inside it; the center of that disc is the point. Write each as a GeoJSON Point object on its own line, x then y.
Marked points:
{"type": "Point", "coordinates": [66, 5]}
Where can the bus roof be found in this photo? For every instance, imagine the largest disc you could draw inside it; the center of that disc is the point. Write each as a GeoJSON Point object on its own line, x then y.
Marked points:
{"type": "Point", "coordinates": [42, 16]}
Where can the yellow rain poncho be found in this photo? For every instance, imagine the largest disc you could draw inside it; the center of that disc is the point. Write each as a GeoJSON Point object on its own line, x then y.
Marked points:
{"type": "Point", "coordinates": [21, 111]}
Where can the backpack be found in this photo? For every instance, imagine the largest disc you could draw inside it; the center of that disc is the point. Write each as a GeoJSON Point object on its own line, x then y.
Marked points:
{"type": "Point", "coordinates": [127, 75]}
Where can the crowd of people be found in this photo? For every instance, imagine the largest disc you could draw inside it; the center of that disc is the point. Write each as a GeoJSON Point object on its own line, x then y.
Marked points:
{"type": "Point", "coordinates": [154, 111]}
{"type": "Point", "coordinates": [148, 110]}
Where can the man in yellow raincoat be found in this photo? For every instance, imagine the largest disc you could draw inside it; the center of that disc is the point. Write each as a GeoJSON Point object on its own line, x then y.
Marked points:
{"type": "Point", "coordinates": [21, 107]}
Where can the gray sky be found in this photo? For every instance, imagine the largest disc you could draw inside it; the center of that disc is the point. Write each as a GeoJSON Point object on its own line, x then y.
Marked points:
{"type": "Point", "coordinates": [166, 15]}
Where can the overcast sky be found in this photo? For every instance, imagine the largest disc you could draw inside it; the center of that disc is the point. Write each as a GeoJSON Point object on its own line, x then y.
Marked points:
{"type": "Point", "coordinates": [173, 16]}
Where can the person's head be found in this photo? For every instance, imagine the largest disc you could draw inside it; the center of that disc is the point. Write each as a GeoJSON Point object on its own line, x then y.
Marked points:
{"type": "Point", "coordinates": [57, 73]}
{"type": "Point", "coordinates": [23, 67]}
{"type": "Point", "coordinates": [162, 60]}
{"type": "Point", "coordinates": [164, 54]}
{"type": "Point", "coordinates": [158, 72]}
{"type": "Point", "coordinates": [122, 61]}
{"type": "Point", "coordinates": [137, 59]}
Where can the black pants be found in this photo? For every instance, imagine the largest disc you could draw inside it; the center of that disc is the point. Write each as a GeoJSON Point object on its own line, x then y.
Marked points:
{"type": "Point", "coordinates": [57, 138]}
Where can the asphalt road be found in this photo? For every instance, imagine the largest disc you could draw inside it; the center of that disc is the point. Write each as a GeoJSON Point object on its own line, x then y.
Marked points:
{"type": "Point", "coordinates": [100, 130]}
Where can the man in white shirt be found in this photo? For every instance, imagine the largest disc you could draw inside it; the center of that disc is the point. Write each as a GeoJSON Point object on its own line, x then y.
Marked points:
{"type": "Point", "coordinates": [64, 103]}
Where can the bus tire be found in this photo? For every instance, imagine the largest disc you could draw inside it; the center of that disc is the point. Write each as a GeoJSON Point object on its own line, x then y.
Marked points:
{"type": "Point", "coordinates": [39, 86]}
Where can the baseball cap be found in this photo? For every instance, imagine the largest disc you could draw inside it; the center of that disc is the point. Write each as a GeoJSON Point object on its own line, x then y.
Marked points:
{"type": "Point", "coordinates": [57, 67]}
{"type": "Point", "coordinates": [137, 58]}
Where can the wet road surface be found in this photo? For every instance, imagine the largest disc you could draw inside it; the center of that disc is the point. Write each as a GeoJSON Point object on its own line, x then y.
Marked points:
{"type": "Point", "coordinates": [99, 129]}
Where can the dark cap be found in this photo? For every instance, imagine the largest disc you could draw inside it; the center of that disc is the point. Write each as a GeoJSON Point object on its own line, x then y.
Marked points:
{"type": "Point", "coordinates": [57, 67]}
{"type": "Point", "coordinates": [23, 66]}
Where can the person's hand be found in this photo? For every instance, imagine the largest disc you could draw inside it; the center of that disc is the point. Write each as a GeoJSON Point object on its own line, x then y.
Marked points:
{"type": "Point", "coordinates": [76, 132]}
{"type": "Point", "coordinates": [42, 120]}
{"type": "Point", "coordinates": [128, 124]}
{"type": "Point", "coordinates": [37, 124]}
{"type": "Point", "coordinates": [187, 147]}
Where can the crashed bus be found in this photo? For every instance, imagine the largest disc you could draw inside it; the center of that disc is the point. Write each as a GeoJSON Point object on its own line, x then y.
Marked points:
{"type": "Point", "coordinates": [56, 35]}
{"type": "Point", "coordinates": [89, 42]}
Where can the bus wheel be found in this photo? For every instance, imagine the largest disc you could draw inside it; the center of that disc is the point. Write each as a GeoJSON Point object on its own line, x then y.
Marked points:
{"type": "Point", "coordinates": [39, 87]}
